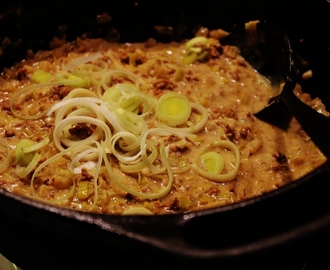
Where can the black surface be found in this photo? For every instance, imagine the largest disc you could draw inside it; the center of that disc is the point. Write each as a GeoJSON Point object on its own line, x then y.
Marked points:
{"type": "Point", "coordinates": [286, 229]}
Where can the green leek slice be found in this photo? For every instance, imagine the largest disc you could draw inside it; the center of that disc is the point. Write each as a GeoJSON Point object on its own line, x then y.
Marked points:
{"type": "Point", "coordinates": [41, 76]}
{"type": "Point", "coordinates": [219, 177]}
{"type": "Point", "coordinates": [22, 156]}
{"type": "Point", "coordinates": [196, 49]}
{"type": "Point", "coordinates": [35, 146]}
{"type": "Point", "coordinates": [213, 162]}
{"type": "Point", "coordinates": [75, 81]}
{"type": "Point", "coordinates": [24, 171]}
{"type": "Point", "coordinates": [71, 80]}
{"type": "Point", "coordinates": [191, 45]}
{"type": "Point", "coordinates": [27, 156]}
{"type": "Point", "coordinates": [173, 109]}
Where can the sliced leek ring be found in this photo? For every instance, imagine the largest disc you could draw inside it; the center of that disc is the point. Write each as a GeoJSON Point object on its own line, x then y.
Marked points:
{"type": "Point", "coordinates": [23, 157]}
{"type": "Point", "coordinates": [213, 162]}
{"type": "Point", "coordinates": [173, 109]}
{"type": "Point", "coordinates": [41, 76]}
{"type": "Point", "coordinates": [219, 177]}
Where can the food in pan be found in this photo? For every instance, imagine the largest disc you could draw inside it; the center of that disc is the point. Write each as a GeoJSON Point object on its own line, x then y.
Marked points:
{"type": "Point", "coordinates": [144, 128]}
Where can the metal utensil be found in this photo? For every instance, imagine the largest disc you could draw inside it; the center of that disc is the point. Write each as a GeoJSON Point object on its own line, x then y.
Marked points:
{"type": "Point", "coordinates": [267, 48]}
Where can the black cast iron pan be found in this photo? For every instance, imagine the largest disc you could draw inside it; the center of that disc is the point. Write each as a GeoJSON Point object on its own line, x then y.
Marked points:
{"type": "Point", "coordinates": [287, 225]}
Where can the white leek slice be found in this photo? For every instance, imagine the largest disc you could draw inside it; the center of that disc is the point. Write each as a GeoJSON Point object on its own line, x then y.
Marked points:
{"type": "Point", "coordinates": [129, 142]}
{"type": "Point", "coordinates": [106, 80]}
{"type": "Point", "coordinates": [80, 92]}
{"type": "Point", "coordinates": [24, 158]}
{"type": "Point", "coordinates": [25, 91]}
{"type": "Point", "coordinates": [86, 155]}
{"type": "Point", "coordinates": [151, 196]}
{"type": "Point", "coordinates": [60, 139]}
{"type": "Point", "coordinates": [141, 164]}
{"type": "Point", "coordinates": [96, 174]}
{"type": "Point", "coordinates": [69, 194]}
{"type": "Point", "coordinates": [130, 121]}
{"type": "Point", "coordinates": [137, 210]}
{"type": "Point", "coordinates": [82, 60]}
{"type": "Point", "coordinates": [68, 104]}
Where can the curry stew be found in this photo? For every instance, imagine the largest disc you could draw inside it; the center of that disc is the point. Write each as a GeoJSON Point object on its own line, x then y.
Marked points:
{"type": "Point", "coordinates": [144, 128]}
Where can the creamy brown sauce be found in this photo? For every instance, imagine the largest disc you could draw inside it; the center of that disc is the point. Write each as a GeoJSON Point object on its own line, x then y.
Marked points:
{"type": "Point", "coordinates": [229, 89]}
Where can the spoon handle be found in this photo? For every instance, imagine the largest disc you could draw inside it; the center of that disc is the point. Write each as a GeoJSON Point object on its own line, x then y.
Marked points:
{"type": "Point", "coordinates": [315, 124]}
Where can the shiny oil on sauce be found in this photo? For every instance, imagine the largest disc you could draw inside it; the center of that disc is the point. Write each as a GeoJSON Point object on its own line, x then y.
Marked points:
{"type": "Point", "coordinates": [224, 84]}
